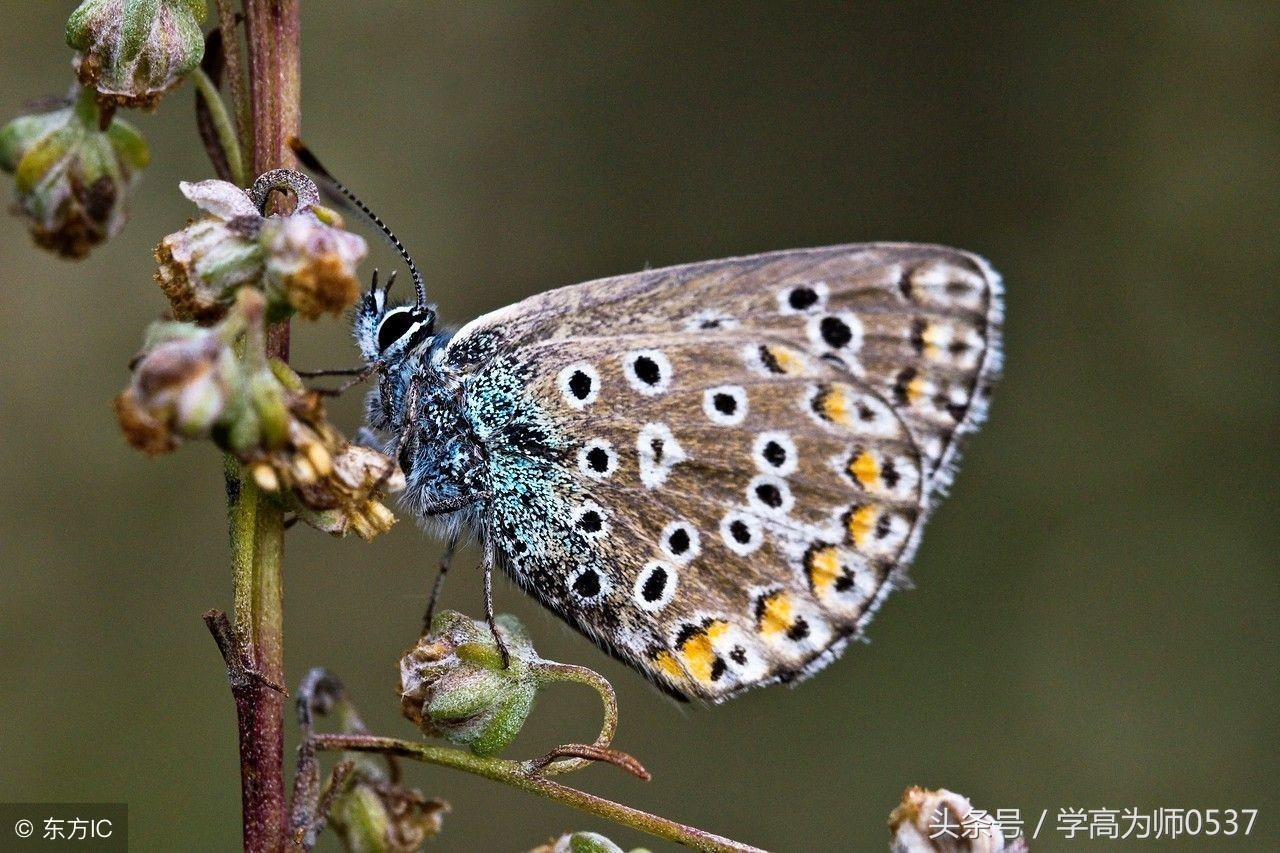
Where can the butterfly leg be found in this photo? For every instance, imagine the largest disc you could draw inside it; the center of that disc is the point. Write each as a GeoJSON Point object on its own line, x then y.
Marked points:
{"type": "Point", "coordinates": [357, 375]}
{"type": "Point", "coordinates": [488, 605]}
{"type": "Point", "coordinates": [454, 504]}
{"type": "Point", "coordinates": [409, 425]}
{"type": "Point", "coordinates": [445, 561]}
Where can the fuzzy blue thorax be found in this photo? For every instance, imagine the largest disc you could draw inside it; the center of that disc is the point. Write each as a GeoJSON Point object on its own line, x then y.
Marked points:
{"type": "Point", "coordinates": [418, 411]}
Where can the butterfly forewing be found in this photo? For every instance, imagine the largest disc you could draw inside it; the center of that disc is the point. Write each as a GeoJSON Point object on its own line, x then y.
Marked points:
{"type": "Point", "coordinates": [716, 471]}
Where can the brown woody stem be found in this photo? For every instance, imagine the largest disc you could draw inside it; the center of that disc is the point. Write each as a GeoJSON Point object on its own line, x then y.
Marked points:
{"type": "Point", "coordinates": [256, 522]}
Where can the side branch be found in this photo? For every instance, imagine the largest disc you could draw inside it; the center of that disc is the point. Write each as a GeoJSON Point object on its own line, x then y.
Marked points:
{"type": "Point", "coordinates": [517, 775]}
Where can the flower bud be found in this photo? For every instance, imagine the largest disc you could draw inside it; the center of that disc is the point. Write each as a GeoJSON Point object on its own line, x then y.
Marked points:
{"type": "Point", "coordinates": [201, 266]}
{"type": "Point", "coordinates": [72, 178]}
{"type": "Point", "coordinates": [374, 814]}
{"type": "Point", "coordinates": [133, 51]}
{"type": "Point", "coordinates": [453, 684]}
{"type": "Point", "coordinates": [311, 265]}
{"type": "Point", "coordinates": [304, 263]}
{"type": "Point", "coordinates": [943, 821]}
{"type": "Point", "coordinates": [182, 388]}
{"type": "Point", "coordinates": [582, 842]}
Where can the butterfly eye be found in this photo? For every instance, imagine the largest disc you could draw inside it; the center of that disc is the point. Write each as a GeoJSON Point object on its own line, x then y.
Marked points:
{"type": "Point", "coordinates": [395, 326]}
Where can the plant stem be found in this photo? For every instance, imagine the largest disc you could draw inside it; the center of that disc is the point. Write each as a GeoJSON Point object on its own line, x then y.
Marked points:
{"type": "Point", "coordinates": [591, 678]}
{"type": "Point", "coordinates": [222, 124]}
{"type": "Point", "coordinates": [257, 523]}
{"type": "Point", "coordinates": [513, 773]}
{"type": "Point", "coordinates": [234, 72]}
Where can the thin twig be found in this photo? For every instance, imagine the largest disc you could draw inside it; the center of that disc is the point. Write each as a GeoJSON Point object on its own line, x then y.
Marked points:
{"type": "Point", "coordinates": [591, 754]}
{"type": "Point", "coordinates": [228, 19]}
{"type": "Point", "coordinates": [515, 774]}
{"type": "Point", "coordinates": [608, 728]}
{"type": "Point", "coordinates": [227, 138]}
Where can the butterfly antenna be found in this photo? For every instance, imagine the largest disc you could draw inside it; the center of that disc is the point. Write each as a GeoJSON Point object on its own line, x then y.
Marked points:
{"type": "Point", "coordinates": [309, 160]}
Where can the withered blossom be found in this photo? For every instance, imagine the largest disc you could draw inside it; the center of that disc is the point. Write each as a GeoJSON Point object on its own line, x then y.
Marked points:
{"type": "Point", "coordinates": [304, 260]}
{"type": "Point", "coordinates": [190, 383]}
{"type": "Point", "coordinates": [72, 178]}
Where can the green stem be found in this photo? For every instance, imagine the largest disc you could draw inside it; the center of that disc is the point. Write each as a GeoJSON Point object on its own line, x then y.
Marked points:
{"type": "Point", "coordinates": [234, 73]}
{"type": "Point", "coordinates": [513, 773]}
{"type": "Point", "coordinates": [222, 123]}
{"type": "Point", "coordinates": [257, 549]}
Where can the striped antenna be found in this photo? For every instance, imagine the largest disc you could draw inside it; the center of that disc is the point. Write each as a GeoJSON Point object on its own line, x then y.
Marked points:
{"type": "Point", "coordinates": [309, 160]}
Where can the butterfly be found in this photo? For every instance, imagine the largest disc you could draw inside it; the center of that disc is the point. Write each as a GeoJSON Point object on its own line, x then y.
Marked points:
{"type": "Point", "coordinates": [718, 471]}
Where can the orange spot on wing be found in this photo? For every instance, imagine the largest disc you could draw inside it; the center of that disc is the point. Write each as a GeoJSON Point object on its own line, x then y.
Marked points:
{"type": "Point", "coordinates": [824, 567]}
{"type": "Point", "coordinates": [836, 405]}
{"type": "Point", "coordinates": [930, 338]}
{"type": "Point", "coordinates": [862, 521]}
{"type": "Point", "coordinates": [776, 615]}
{"type": "Point", "coordinates": [916, 389]}
{"type": "Point", "coordinates": [699, 655]}
{"type": "Point", "coordinates": [667, 663]}
{"type": "Point", "coordinates": [865, 469]}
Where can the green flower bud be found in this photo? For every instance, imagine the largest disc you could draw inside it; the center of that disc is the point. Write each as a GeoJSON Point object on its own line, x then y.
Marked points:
{"type": "Point", "coordinates": [374, 814]}
{"type": "Point", "coordinates": [269, 403]}
{"type": "Point", "coordinates": [453, 684]}
{"type": "Point", "coordinates": [133, 51]}
{"type": "Point", "coordinates": [582, 842]}
{"type": "Point", "coordinates": [71, 177]}
{"type": "Point", "coordinates": [586, 842]}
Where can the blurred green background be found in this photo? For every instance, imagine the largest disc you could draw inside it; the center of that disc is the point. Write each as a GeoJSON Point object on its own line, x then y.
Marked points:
{"type": "Point", "coordinates": [1097, 616]}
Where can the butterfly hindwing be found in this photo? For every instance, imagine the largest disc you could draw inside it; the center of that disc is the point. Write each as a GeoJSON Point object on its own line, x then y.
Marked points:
{"type": "Point", "coordinates": [716, 471]}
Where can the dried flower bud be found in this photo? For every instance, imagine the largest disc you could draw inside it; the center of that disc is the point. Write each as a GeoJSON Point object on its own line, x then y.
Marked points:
{"type": "Point", "coordinates": [72, 177]}
{"type": "Point", "coordinates": [305, 263]}
{"type": "Point", "coordinates": [133, 51]}
{"type": "Point", "coordinates": [374, 814]}
{"type": "Point", "coordinates": [182, 388]}
{"type": "Point", "coordinates": [453, 684]}
{"type": "Point", "coordinates": [942, 821]}
{"type": "Point", "coordinates": [190, 384]}
{"type": "Point", "coordinates": [341, 503]}
{"type": "Point", "coordinates": [313, 265]}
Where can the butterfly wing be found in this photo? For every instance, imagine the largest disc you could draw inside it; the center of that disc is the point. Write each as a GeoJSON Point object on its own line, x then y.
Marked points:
{"type": "Point", "coordinates": [716, 471]}
{"type": "Point", "coordinates": [924, 322]}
